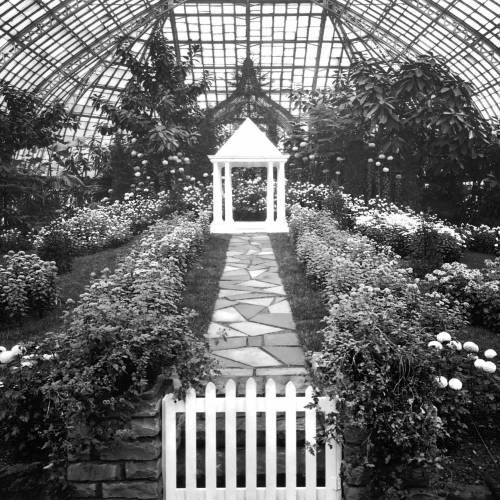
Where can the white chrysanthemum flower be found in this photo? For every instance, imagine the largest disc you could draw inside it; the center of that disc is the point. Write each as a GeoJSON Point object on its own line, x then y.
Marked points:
{"type": "Point", "coordinates": [443, 337]}
{"type": "Point", "coordinates": [455, 344]}
{"type": "Point", "coordinates": [442, 382]}
{"type": "Point", "coordinates": [490, 353]}
{"type": "Point", "coordinates": [479, 363]}
{"type": "Point", "coordinates": [455, 384]}
{"type": "Point", "coordinates": [471, 347]}
{"type": "Point", "coordinates": [436, 344]}
{"type": "Point", "coordinates": [489, 367]}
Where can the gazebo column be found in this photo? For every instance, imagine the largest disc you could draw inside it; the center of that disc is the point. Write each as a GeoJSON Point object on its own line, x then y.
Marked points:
{"type": "Point", "coordinates": [270, 193]}
{"type": "Point", "coordinates": [217, 193]}
{"type": "Point", "coordinates": [228, 187]}
{"type": "Point", "coordinates": [280, 196]}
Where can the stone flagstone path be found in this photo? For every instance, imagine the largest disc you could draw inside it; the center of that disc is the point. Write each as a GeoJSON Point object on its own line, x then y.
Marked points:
{"type": "Point", "coordinates": [252, 332]}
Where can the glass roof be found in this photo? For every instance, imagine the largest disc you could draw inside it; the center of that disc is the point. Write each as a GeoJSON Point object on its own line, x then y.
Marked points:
{"type": "Point", "coordinates": [64, 49]}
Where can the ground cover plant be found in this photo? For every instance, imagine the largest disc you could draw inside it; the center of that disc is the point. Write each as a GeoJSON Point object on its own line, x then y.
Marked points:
{"type": "Point", "coordinates": [391, 355]}
{"type": "Point", "coordinates": [75, 387]}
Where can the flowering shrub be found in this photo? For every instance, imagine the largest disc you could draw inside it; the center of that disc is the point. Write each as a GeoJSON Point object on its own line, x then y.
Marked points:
{"type": "Point", "coordinates": [481, 238]}
{"type": "Point", "coordinates": [379, 358]}
{"type": "Point", "coordinates": [27, 285]}
{"type": "Point", "coordinates": [479, 289]}
{"type": "Point", "coordinates": [14, 239]}
{"type": "Point", "coordinates": [307, 194]}
{"type": "Point", "coordinates": [406, 232]}
{"type": "Point", "coordinates": [77, 386]}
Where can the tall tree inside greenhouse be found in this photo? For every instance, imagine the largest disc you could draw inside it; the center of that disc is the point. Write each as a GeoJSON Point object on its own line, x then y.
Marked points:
{"type": "Point", "coordinates": [416, 111]}
{"type": "Point", "coordinates": [157, 115]}
{"type": "Point", "coordinates": [26, 121]}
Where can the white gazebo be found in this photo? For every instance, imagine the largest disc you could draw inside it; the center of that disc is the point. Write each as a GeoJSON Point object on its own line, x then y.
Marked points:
{"type": "Point", "coordinates": [248, 147]}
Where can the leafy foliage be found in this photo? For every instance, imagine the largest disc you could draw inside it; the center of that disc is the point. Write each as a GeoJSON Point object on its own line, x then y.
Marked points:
{"type": "Point", "coordinates": [376, 361]}
{"type": "Point", "coordinates": [27, 285]}
{"type": "Point", "coordinates": [26, 121]}
{"type": "Point", "coordinates": [417, 110]}
{"type": "Point", "coordinates": [76, 389]}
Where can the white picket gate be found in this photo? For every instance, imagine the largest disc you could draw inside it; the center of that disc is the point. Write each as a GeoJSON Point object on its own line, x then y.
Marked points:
{"type": "Point", "coordinates": [250, 405]}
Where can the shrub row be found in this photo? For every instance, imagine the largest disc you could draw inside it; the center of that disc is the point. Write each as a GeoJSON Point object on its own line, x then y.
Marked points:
{"type": "Point", "coordinates": [480, 289]}
{"type": "Point", "coordinates": [411, 235]}
{"type": "Point", "coordinates": [75, 388]}
{"type": "Point", "coordinates": [27, 285]}
{"type": "Point", "coordinates": [380, 358]}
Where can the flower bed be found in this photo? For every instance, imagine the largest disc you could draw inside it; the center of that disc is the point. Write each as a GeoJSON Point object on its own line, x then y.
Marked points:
{"type": "Point", "coordinates": [390, 354]}
{"type": "Point", "coordinates": [27, 285]}
{"type": "Point", "coordinates": [479, 289]}
{"type": "Point", "coordinates": [75, 388]}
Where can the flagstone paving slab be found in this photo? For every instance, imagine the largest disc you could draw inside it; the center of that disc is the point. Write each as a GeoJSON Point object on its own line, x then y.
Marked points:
{"type": "Point", "coordinates": [252, 330]}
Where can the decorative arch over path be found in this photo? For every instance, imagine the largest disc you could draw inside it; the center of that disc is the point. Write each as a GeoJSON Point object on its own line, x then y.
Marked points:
{"type": "Point", "coordinates": [248, 147]}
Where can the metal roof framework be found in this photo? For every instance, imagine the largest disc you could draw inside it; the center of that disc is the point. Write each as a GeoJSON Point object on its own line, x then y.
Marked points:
{"type": "Point", "coordinates": [65, 49]}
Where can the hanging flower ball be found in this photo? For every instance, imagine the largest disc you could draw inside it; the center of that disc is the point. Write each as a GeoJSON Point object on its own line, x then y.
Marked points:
{"type": "Point", "coordinates": [377, 164]}
{"type": "Point", "coordinates": [443, 337]}
{"type": "Point", "coordinates": [370, 160]}
{"type": "Point", "coordinates": [390, 158]}
{"type": "Point", "coordinates": [295, 148]}
{"type": "Point", "coordinates": [132, 186]}
{"type": "Point", "coordinates": [325, 170]}
{"type": "Point", "coordinates": [170, 158]}
{"type": "Point", "coordinates": [339, 158]}
{"type": "Point", "coordinates": [385, 170]}
{"type": "Point", "coordinates": [455, 384]}
{"type": "Point", "coordinates": [436, 344]}
{"type": "Point", "coordinates": [297, 155]}
{"type": "Point", "coordinates": [140, 184]}
{"type": "Point", "coordinates": [337, 172]}
{"type": "Point", "coordinates": [139, 155]}
{"type": "Point", "coordinates": [312, 156]}
{"type": "Point", "coordinates": [399, 177]}
{"type": "Point", "coordinates": [471, 347]}
{"type": "Point", "coordinates": [187, 161]}
{"type": "Point", "coordinates": [144, 162]}
{"type": "Point", "coordinates": [110, 191]}
{"type": "Point", "coordinates": [180, 155]}
{"type": "Point", "coordinates": [371, 145]}
{"type": "Point", "coordinates": [381, 156]}
{"type": "Point", "coordinates": [148, 178]}
{"type": "Point", "coordinates": [193, 179]}
{"type": "Point", "coordinates": [180, 179]}
{"type": "Point", "coordinates": [306, 159]}
{"type": "Point", "coordinates": [164, 163]}
{"type": "Point", "coordinates": [426, 185]}
{"type": "Point", "coordinates": [137, 174]}
{"type": "Point", "coordinates": [490, 354]}
{"type": "Point", "coordinates": [303, 144]}
{"type": "Point", "coordinates": [489, 367]}
{"type": "Point", "coordinates": [181, 170]}
{"type": "Point", "coordinates": [442, 382]}
{"type": "Point", "coordinates": [205, 174]}
{"type": "Point", "coordinates": [172, 171]}
{"type": "Point", "coordinates": [133, 140]}
{"type": "Point", "coordinates": [133, 153]}
{"type": "Point", "coordinates": [479, 363]}
{"type": "Point", "coordinates": [137, 169]}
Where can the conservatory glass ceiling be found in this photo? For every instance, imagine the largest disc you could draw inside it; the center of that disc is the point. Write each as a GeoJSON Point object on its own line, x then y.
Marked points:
{"type": "Point", "coordinates": [64, 49]}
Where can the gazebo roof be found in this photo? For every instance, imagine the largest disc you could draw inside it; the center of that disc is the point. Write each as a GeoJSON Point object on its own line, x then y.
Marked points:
{"type": "Point", "coordinates": [249, 143]}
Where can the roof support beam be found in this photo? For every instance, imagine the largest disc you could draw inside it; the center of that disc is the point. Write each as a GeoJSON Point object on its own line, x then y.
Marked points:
{"type": "Point", "coordinates": [108, 42]}
{"type": "Point", "coordinates": [320, 47]}
{"type": "Point", "coordinates": [173, 27]}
